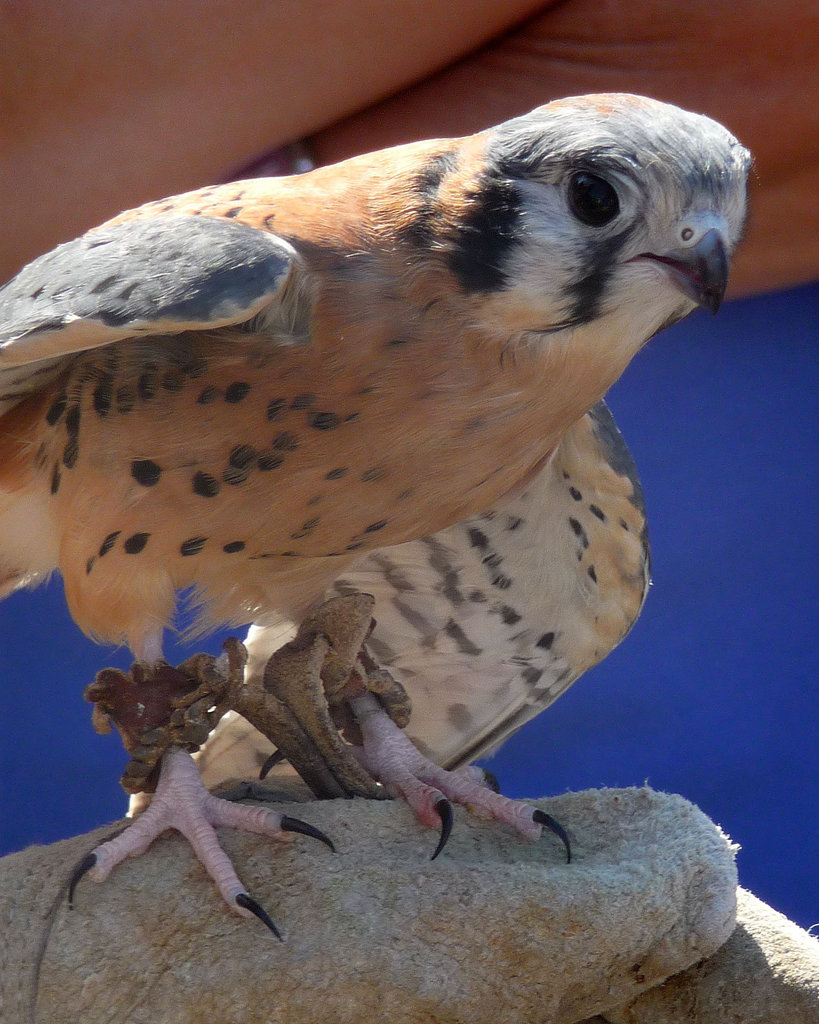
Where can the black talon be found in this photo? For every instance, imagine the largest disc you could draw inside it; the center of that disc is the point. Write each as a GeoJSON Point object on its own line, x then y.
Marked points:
{"type": "Point", "coordinates": [542, 818]}
{"type": "Point", "coordinates": [84, 866]}
{"type": "Point", "coordinates": [247, 901]}
{"type": "Point", "coordinates": [288, 824]}
{"type": "Point", "coordinates": [444, 809]}
{"type": "Point", "coordinates": [275, 758]}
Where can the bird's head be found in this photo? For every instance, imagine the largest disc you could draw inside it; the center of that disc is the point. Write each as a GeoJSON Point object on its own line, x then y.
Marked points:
{"type": "Point", "coordinates": [602, 208]}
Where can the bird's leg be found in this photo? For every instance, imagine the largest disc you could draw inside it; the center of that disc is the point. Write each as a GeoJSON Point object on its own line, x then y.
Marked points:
{"type": "Point", "coordinates": [325, 680]}
{"type": "Point", "coordinates": [290, 703]}
{"type": "Point", "coordinates": [389, 755]}
{"type": "Point", "coordinates": [159, 712]}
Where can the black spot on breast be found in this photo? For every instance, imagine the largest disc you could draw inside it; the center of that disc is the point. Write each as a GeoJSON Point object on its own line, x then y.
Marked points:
{"type": "Point", "coordinates": [579, 532]}
{"type": "Point", "coordinates": [514, 522]}
{"type": "Point", "coordinates": [205, 485]}
{"type": "Point", "coordinates": [70, 453]}
{"type": "Point", "coordinates": [146, 386]}
{"type": "Point", "coordinates": [324, 420]}
{"type": "Point", "coordinates": [546, 641]}
{"type": "Point", "coordinates": [194, 368]}
{"type": "Point", "coordinates": [303, 401]}
{"type": "Point", "coordinates": [478, 539]}
{"type": "Point", "coordinates": [268, 461]}
{"type": "Point", "coordinates": [462, 641]}
{"type": "Point", "coordinates": [192, 546]}
{"type": "Point", "coordinates": [56, 409]}
{"type": "Point", "coordinates": [126, 399]}
{"type": "Point", "coordinates": [233, 211]}
{"type": "Point", "coordinates": [235, 476]}
{"type": "Point", "coordinates": [145, 472]}
{"type": "Point", "coordinates": [355, 545]}
{"type": "Point", "coordinates": [597, 511]}
{"type": "Point", "coordinates": [236, 391]}
{"type": "Point", "coordinates": [509, 615]}
{"type": "Point", "coordinates": [55, 480]}
{"type": "Point", "coordinates": [233, 547]}
{"type": "Point", "coordinates": [480, 245]}
{"type": "Point", "coordinates": [337, 473]}
{"type": "Point", "coordinates": [242, 456]}
{"type": "Point", "coordinates": [72, 421]}
{"type": "Point", "coordinates": [109, 542]}
{"type": "Point", "coordinates": [285, 442]}
{"type": "Point", "coordinates": [275, 407]}
{"type": "Point", "coordinates": [592, 574]}
{"type": "Point", "coordinates": [306, 527]}
{"type": "Point", "coordinates": [173, 381]}
{"type": "Point", "coordinates": [208, 395]}
{"type": "Point", "coordinates": [89, 565]}
{"type": "Point", "coordinates": [136, 543]}
{"type": "Point", "coordinates": [374, 527]}
{"type": "Point", "coordinates": [575, 494]}
{"type": "Point", "coordinates": [376, 473]}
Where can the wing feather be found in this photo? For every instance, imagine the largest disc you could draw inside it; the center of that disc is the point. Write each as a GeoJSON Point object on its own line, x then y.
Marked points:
{"type": "Point", "coordinates": [160, 275]}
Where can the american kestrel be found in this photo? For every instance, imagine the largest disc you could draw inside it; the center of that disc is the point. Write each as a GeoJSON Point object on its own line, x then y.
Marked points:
{"type": "Point", "coordinates": [249, 388]}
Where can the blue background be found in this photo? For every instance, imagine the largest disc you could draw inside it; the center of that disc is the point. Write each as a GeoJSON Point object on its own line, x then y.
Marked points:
{"type": "Point", "coordinates": [712, 694]}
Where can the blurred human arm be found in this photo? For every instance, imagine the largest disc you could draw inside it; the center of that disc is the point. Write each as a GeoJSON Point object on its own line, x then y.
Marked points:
{"type": "Point", "coordinates": [107, 106]}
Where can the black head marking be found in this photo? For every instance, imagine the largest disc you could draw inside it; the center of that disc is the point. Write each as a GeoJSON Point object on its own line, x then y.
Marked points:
{"type": "Point", "coordinates": [421, 230]}
{"type": "Point", "coordinates": [584, 295]}
{"type": "Point", "coordinates": [481, 243]}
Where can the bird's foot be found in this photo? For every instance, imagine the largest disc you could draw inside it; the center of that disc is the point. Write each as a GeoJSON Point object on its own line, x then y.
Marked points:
{"type": "Point", "coordinates": [390, 756]}
{"type": "Point", "coordinates": [301, 702]}
{"type": "Point", "coordinates": [156, 706]}
{"type": "Point", "coordinates": [181, 802]}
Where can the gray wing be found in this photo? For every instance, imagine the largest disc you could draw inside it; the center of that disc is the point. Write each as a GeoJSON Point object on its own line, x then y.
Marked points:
{"type": "Point", "coordinates": [160, 275]}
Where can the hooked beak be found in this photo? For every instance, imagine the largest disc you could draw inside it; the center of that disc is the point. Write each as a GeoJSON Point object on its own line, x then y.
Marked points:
{"type": "Point", "coordinates": [701, 271]}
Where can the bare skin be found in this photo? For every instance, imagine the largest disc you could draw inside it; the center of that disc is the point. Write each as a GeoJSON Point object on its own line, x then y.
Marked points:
{"type": "Point", "coordinates": [105, 108]}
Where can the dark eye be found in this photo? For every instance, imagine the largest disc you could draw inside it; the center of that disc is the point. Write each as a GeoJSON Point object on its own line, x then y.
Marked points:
{"type": "Point", "coordinates": [592, 199]}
